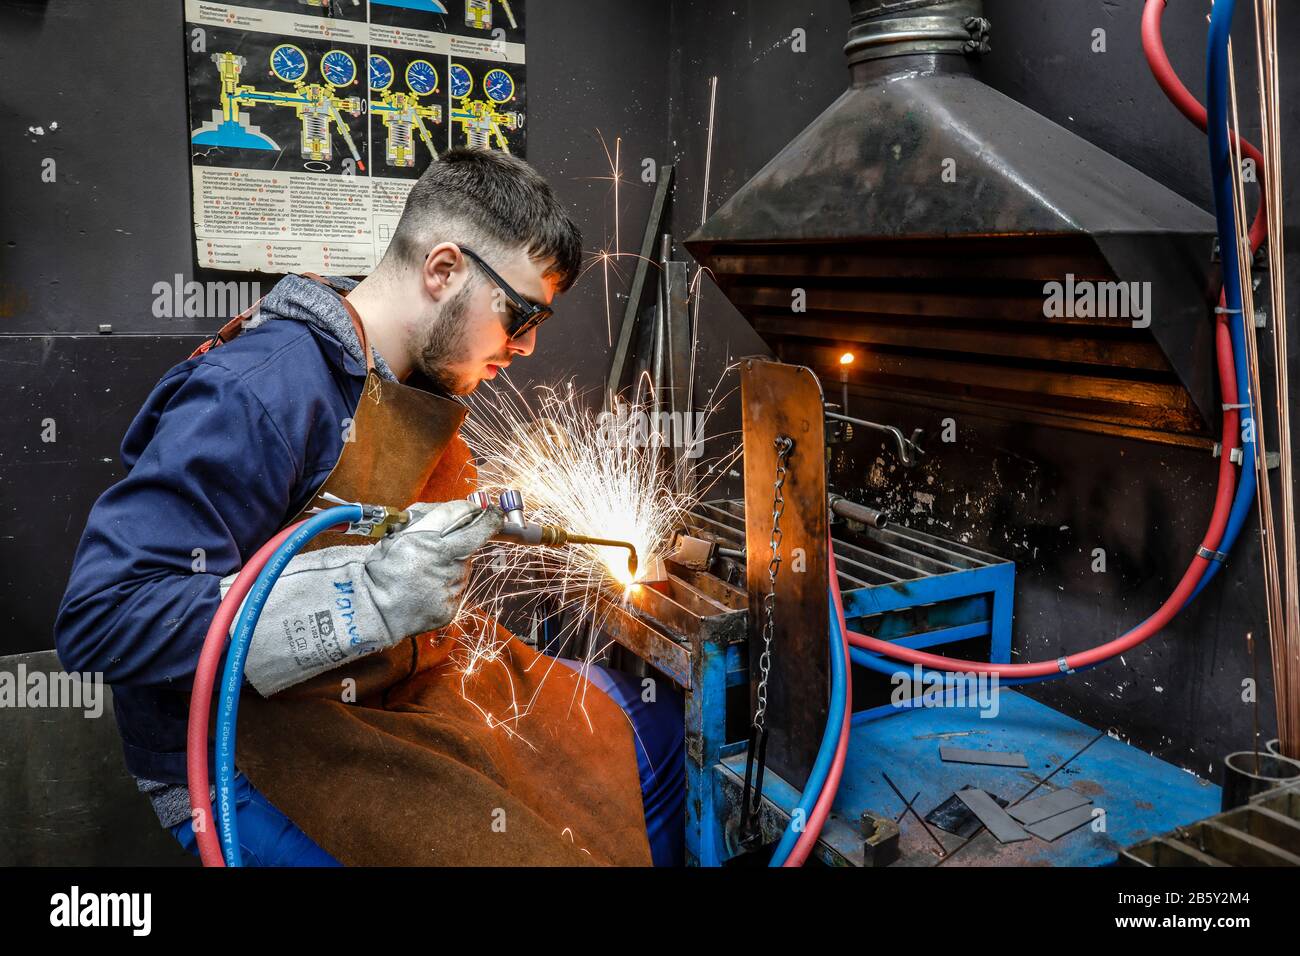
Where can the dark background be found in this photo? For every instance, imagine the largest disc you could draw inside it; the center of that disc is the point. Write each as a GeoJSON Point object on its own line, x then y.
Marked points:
{"type": "Point", "coordinates": [89, 248]}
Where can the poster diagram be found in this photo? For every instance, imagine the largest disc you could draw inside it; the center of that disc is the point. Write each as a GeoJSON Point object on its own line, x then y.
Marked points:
{"type": "Point", "coordinates": [487, 105]}
{"type": "Point", "coordinates": [298, 104]}
{"type": "Point", "coordinates": [408, 111]}
{"type": "Point", "coordinates": [311, 119]}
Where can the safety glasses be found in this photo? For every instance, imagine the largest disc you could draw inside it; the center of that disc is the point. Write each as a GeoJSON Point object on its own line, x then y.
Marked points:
{"type": "Point", "coordinates": [524, 315]}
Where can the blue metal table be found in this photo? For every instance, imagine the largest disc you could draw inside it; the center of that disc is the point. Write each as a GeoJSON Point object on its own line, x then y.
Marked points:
{"type": "Point", "coordinates": [1141, 795]}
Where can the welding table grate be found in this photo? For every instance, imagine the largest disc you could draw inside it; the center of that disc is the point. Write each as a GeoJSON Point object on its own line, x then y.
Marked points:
{"type": "Point", "coordinates": [902, 585]}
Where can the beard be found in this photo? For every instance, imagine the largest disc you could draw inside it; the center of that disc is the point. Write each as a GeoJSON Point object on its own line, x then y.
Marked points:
{"type": "Point", "coordinates": [445, 345]}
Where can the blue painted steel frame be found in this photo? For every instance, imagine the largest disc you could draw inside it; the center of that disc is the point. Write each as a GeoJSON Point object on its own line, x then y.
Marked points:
{"type": "Point", "coordinates": [974, 602]}
{"type": "Point", "coordinates": [992, 588]}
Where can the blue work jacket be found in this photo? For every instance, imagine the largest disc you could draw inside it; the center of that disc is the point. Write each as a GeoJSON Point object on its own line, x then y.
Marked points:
{"type": "Point", "coordinates": [227, 450]}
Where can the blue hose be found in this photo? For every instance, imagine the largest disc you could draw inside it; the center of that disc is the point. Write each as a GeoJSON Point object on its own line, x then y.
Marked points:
{"type": "Point", "coordinates": [830, 742]}
{"type": "Point", "coordinates": [1223, 168]}
{"type": "Point", "coordinates": [232, 678]}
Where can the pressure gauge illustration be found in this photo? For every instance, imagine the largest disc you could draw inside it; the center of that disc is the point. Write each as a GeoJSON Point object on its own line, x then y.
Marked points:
{"type": "Point", "coordinates": [462, 82]}
{"type": "Point", "coordinates": [421, 77]}
{"type": "Point", "coordinates": [338, 68]}
{"type": "Point", "coordinates": [499, 86]}
{"type": "Point", "coordinates": [381, 73]}
{"type": "Point", "coordinates": [288, 63]}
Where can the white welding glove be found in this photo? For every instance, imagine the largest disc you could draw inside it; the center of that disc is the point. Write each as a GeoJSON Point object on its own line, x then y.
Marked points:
{"type": "Point", "coordinates": [335, 605]}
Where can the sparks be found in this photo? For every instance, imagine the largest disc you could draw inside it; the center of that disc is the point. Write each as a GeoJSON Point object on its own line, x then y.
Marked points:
{"type": "Point", "coordinates": [600, 474]}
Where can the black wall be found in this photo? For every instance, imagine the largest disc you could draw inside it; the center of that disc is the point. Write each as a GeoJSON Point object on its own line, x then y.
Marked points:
{"type": "Point", "coordinates": [88, 249]}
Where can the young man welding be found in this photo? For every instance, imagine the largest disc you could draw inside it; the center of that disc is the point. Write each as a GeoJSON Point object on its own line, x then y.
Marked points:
{"type": "Point", "coordinates": [366, 743]}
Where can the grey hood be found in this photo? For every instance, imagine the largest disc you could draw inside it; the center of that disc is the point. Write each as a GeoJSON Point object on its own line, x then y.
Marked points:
{"type": "Point", "coordinates": [304, 300]}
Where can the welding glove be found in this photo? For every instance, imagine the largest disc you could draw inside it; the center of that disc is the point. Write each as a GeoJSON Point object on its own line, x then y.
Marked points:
{"type": "Point", "coordinates": [335, 605]}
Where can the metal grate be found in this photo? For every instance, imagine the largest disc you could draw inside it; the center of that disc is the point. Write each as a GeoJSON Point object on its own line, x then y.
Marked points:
{"type": "Point", "coordinates": [874, 557]}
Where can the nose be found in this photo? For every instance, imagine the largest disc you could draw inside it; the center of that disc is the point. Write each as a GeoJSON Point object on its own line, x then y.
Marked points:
{"type": "Point", "coordinates": [524, 344]}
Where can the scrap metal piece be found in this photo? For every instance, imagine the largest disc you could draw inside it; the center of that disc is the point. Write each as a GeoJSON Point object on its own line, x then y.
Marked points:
{"type": "Point", "coordinates": [952, 816]}
{"type": "Point", "coordinates": [1058, 826]}
{"type": "Point", "coordinates": [987, 758]}
{"type": "Point", "coordinates": [691, 552]}
{"type": "Point", "coordinates": [655, 570]}
{"type": "Point", "coordinates": [992, 816]}
{"type": "Point", "coordinates": [1041, 808]}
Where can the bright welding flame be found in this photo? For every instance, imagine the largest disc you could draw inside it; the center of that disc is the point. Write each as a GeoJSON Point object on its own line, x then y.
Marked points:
{"type": "Point", "coordinates": [594, 474]}
{"type": "Point", "coordinates": [847, 358]}
{"type": "Point", "coordinates": [603, 475]}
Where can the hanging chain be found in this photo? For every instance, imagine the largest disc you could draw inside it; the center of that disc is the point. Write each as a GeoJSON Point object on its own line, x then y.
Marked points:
{"type": "Point", "coordinates": [783, 446]}
{"type": "Point", "coordinates": [752, 798]}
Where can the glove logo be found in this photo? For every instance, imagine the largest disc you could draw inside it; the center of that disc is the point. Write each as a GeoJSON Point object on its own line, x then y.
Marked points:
{"type": "Point", "coordinates": [325, 638]}
{"type": "Point", "coordinates": [348, 615]}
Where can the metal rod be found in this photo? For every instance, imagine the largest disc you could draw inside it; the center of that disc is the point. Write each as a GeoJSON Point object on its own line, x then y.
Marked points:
{"type": "Point", "coordinates": [939, 843]}
{"type": "Point", "coordinates": [907, 447]}
{"type": "Point", "coordinates": [852, 511]}
{"type": "Point", "coordinates": [661, 323]}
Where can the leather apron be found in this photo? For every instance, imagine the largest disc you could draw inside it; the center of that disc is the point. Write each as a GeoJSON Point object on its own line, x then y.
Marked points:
{"type": "Point", "coordinates": [399, 758]}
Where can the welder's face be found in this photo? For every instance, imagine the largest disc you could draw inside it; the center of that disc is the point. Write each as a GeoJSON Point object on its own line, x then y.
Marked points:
{"type": "Point", "coordinates": [466, 341]}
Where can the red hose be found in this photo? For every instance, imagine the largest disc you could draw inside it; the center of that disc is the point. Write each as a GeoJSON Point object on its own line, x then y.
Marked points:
{"type": "Point", "coordinates": [822, 809]}
{"type": "Point", "coordinates": [1153, 46]}
{"type": "Point", "coordinates": [196, 749]}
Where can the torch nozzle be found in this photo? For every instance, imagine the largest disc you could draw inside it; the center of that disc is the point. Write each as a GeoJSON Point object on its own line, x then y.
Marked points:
{"type": "Point", "coordinates": [632, 562]}
{"type": "Point", "coordinates": [519, 530]}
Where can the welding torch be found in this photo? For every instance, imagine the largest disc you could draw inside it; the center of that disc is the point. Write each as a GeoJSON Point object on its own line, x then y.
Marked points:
{"type": "Point", "coordinates": [519, 530]}
{"type": "Point", "coordinates": [378, 521]}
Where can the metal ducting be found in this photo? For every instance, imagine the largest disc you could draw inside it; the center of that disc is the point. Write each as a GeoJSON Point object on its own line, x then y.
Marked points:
{"type": "Point", "coordinates": [918, 222]}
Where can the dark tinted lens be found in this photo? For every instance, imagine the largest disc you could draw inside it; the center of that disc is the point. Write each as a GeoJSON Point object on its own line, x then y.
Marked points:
{"type": "Point", "coordinates": [523, 322]}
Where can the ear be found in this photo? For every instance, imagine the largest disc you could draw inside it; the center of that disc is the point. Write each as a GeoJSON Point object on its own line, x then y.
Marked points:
{"type": "Point", "coordinates": [444, 269]}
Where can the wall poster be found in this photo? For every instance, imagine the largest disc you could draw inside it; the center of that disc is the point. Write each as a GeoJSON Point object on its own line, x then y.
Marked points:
{"type": "Point", "coordinates": [311, 119]}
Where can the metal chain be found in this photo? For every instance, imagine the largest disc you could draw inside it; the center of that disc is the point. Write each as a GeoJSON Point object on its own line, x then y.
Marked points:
{"type": "Point", "coordinates": [783, 446]}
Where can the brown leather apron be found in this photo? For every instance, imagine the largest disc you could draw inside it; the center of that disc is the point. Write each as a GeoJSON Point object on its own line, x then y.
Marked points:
{"type": "Point", "coordinates": [399, 759]}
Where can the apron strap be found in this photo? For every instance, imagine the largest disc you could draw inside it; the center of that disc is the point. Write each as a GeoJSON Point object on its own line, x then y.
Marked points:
{"type": "Point", "coordinates": [231, 329]}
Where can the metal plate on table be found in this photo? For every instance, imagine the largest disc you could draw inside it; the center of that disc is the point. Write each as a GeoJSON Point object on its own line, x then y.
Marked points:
{"type": "Point", "coordinates": [1005, 829]}
{"type": "Point", "coordinates": [1041, 808]}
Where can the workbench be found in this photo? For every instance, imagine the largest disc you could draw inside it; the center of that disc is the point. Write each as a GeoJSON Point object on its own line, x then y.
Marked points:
{"type": "Point", "coordinates": [1141, 794]}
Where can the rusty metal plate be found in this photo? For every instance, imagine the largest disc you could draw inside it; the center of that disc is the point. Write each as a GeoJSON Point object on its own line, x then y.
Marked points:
{"type": "Point", "coordinates": [645, 641]}
{"type": "Point", "coordinates": [787, 400]}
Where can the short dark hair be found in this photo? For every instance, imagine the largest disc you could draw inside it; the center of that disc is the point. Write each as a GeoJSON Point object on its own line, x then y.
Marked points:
{"type": "Point", "coordinates": [493, 199]}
